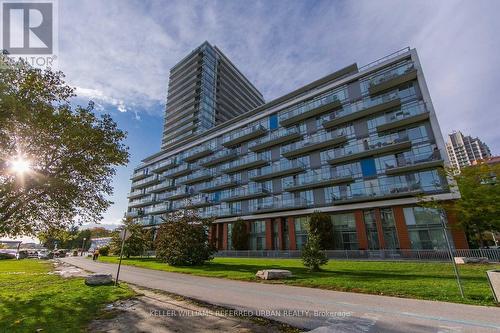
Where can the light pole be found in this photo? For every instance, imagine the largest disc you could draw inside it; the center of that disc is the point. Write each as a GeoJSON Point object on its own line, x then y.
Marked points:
{"type": "Point", "coordinates": [83, 246]}
{"type": "Point", "coordinates": [450, 252]}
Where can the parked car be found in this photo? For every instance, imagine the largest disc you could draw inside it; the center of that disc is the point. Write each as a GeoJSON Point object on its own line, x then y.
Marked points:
{"type": "Point", "coordinates": [22, 254]}
{"type": "Point", "coordinates": [44, 254]}
{"type": "Point", "coordinates": [61, 253]}
{"type": "Point", "coordinates": [33, 254]}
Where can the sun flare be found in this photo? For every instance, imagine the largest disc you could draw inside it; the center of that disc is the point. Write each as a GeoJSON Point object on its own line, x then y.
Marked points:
{"type": "Point", "coordinates": [20, 165]}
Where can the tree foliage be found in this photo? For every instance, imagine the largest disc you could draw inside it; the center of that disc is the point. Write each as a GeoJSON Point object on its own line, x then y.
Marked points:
{"type": "Point", "coordinates": [313, 256]}
{"type": "Point", "coordinates": [239, 235]}
{"type": "Point", "coordinates": [182, 239]}
{"type": "Point", "coordinates": [136, 244]}
{"type": "Point", "coordinates": [478, 208]}
{"type": "Point", "coordinates": [71, 238]}
{"type": "Point", "coordinates": [72, 153]}
{"type": "Point", "coordinates": [321, 225]}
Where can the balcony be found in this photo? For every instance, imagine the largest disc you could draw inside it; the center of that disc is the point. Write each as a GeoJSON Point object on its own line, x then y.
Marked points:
{"type": "Point", "coordinates": [392, 78]}
{"type": "Point", "coordinates": [203, 200]}
{"type": "Point", "coordinates": [247, 162]}
{"type": "Point", "coordinates": [363, 108]}
{"type": "Point", "coordinates": [283, 135]}
{"type": "Point", "coordinates": [165, 185]}
{"type": "Point", "coordinates": [150, 180]}
{"type": "Point", "coordinates": [412, 163]}
{"type": "Point", "coordinates": [196, 177]}
{"type": "Point", "coordinates": [312, 143]}
{"type": "Point", "coordinates": [164, 165]}
{"type": "Point", "coordinates": [219, 157]}
{"type": "Point", "coordinates": [178, 171]}
{"type": "Point", "coordinates": [244, 134]}
{"type": "Point", "coordinates": [137, 194]}
{"type": "Point", "coordinates": [218, 211]}
{"type": "Point", "coordinates": [159, 209]}
{"type": "Point", "coordinates": [245, 192]}
{"type": "Point", "coordinates": [219, 183]}
{"type": "Point", "coordinates": [374, 193]}
{"type": "Point", "coordinates": [146, 201]}
{"type": "Point", "coordinates": [145, 221]}
{"type": "Point", "coordinates": [179, 193]}
{"type": "Point", "coordinates": [309, 110]}
{"type": "Point", "coordinates": [197, 153]}
{"type": "Point", "coordinates": [278, 203]}
{"type": "Point", "coordinates": [409, 114]}
{"type": "Point", "coordinates": [141, 174]}
{"type": "Point", "coordinates": [277, 169]}
{"type": "Point", "coordinates": [318, 178]}
{"type": "Point", "coordinates": [358, 151]}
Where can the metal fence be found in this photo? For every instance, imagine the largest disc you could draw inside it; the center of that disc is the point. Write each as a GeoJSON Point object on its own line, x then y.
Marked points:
{"type": "Point", "coordinates": [493, 255]}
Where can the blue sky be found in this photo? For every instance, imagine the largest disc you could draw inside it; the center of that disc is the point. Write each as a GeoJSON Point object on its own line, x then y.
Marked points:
{"type": "Point", "coordinates": [118, 53]}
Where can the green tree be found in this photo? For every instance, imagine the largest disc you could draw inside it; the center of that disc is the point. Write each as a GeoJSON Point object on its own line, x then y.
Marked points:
{"type": "Point", "coordinates": [182, 239]}
{"type": "Point", "coordinates": [312, 255]}
{"type": "Point", "coordinates": [478, 208]}
{"type": "Point", "coordinates": [72, 153]}
{"type": "Point", "coordinates": [135, 245]}
{"type": "Point", "coordinates": [320, 224]}
{"type": "Point", "coordinates": [239, 235]}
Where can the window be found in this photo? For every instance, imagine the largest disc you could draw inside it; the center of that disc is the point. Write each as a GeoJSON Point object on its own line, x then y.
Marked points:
{"type": "Point", "coordinates": [257, 235]}
{"type": "Point", "coordinates": [425, 228]}
{"type": "Point", "coordinates": [301, 225]}
{"type": "Point", "coordinates": [371, 229]}
{"type": "Point", "coordinates": [344, 231]}
{"type": "Point", "coordinates": [389, 229]}
{"type": "Point", "coordinates": [229, 236]}
{"type": "Point", "coordinates": [368, 167]}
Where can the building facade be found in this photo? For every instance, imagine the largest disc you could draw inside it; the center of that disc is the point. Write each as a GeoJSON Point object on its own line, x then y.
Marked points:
{"type": "Point", "coordinates": [465, 150]}
{"type": "Point", "coordinates": [359, 144]}
{"type": "Point", "coordinates": [205, 89]}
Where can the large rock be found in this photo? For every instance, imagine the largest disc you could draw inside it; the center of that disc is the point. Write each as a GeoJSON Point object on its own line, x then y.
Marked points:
{"type": "Point", "coordinates": [273, 274]}
{"type": "Point", "coordinates": [494, 279]}
{"type": "Point", "coordinates": [471, 260]}
{"type": "Point", "coordinates": [98, 279]}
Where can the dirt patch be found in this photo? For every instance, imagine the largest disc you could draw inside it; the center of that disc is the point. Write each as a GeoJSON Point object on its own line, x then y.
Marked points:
{"type": "Point", "coordinates": [157, 312]}
{"type": "Point", "coordinates": [66, 270]}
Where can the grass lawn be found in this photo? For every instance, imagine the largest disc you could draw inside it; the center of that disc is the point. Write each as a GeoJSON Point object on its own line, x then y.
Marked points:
{"type": "Point", "coordinates": [32, 299]}
{"type": "Point", "coordinates": [432, 281]}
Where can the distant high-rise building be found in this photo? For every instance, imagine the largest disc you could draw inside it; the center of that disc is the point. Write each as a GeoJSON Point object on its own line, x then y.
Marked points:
{"type": "Point", "coordinates": [465, 150]}
{"type": "Point", "coordinates": [205, 89]}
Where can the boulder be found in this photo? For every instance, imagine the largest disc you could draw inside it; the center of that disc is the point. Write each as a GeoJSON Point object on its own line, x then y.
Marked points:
{"type": "Point", "coordinates": [494, 279]}
{"type": "Point", "coordinates": [98, 279]}
{"type": "Point", "coordinates": [471, 260]}
{"type": "Point", "coordinates": [273, 274]}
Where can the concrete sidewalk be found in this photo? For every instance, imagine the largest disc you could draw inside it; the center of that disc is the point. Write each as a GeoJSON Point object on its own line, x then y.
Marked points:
{"type": "Point", "coordinates": [310, 308]}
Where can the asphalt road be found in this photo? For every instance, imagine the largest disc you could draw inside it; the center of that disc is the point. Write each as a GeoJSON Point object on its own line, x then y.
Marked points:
{"type": "Point", "coordinates": [313, 309]}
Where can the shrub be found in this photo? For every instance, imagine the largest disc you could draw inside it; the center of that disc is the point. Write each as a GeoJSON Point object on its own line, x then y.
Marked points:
{"type": "Point", "coordinates": [104, 251]}
{"type": "Point", "coordinates": [312, 255]}
{"type": "Point", "coordinates": [183, 239]}
{"type": "Point", "coordinates": [321, 225]}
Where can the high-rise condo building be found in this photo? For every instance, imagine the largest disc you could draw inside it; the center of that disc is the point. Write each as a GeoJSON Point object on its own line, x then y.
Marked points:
{"type": "Point", "coordinates": [465, 150]}
{"type": "Point", "coordinates": [205, 89]}
{"type": "Point", "coordinates": [362, 145]}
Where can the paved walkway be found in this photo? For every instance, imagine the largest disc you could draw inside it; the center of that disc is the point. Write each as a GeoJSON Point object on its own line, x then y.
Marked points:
{"type": "Point", "coordinates": [308, 308]}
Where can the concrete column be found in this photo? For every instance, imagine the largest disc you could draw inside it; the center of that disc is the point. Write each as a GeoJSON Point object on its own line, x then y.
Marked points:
{"type": "Point", "coordinates": [401, 228]}
{"type": "Point", "coordinates": [380, 230]}
{"type": "Point", "coordinates": [361, 230]}
{"type": "Point", "coordinates": [269, 234]}
{"type": "Point", "coordinates": [291, 233]}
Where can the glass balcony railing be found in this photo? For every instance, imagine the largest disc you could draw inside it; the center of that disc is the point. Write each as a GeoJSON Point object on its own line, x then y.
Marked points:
{"type": "Point", "coordinates": [383, 144]}
{"type": "Point", "coordinates": [137, 175]}
{"type": "Point", "coordinates": [317, 178]}
{"type": "Point", "coordinates": [390, 74]}
{"type": "Point", "coordinates": [181, 192]}
{"type": "Point", "coordinates": [377, 192]}
{"type": "Point", "coordinates": [218, 157]}
{"type": "Point", "coordinates": [150, 180]}
{"type": "Point", "coordinates": [243, 134]}
{"type": "Point", "coordinates": [146, 220]}
{"type": "Point", "coordinates": [280, 202]}
{"type": "Point", "coordinates": [334, 97]}
{"type": "Point", "coordinates": [246, 162]}
{"type": "Point", "coordinates": [407, 111]}
{"type": "Point", "coordinates": [219, 183]}
{"type": "Point", "coordinates": [197, 176]}
{"type": "Point", "coordinates": [313, 142]}
{"type": "Point", "coordinates": [178, 171]}
{"type": "Point", "coordinates": [244, 192]}
{"type": "Point", "coordinates": [276, 169]}
{"type": "Point", "coordinates": [219, 211]}
{"type": "Point", "coordinates": [164, 185]}
{"type": "Point", "coordinates": [274, 138]}
{"type": "Point", "coordinates": [143, 201]}
{"type": "Point", "coordinates": [198, 152]}
{"type": "Point", "coordinates": [164, 165]}
{"type": "Point", "coordinates": [158, 209]}
{"type": "Point", "coordinates": [137, 194]}
{"type": "Point", "coordinates": [411, 162]}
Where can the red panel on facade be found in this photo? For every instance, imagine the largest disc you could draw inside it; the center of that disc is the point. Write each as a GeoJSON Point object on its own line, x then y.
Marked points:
{"type": "Point", "coordinates": [459, 237]}
{"type": "Point", "coordinates": [291, 233]}
{"type": "Point", "coordinates": [361, 230]}
{"type": "Point", "coordinates": [269, 234]}
{"type": "Point", "coordinates": [280, 233]}
{"type": "Point", "coordinates": [401, 228]}
{"type": "Point", "coordinates": [224, 236]}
